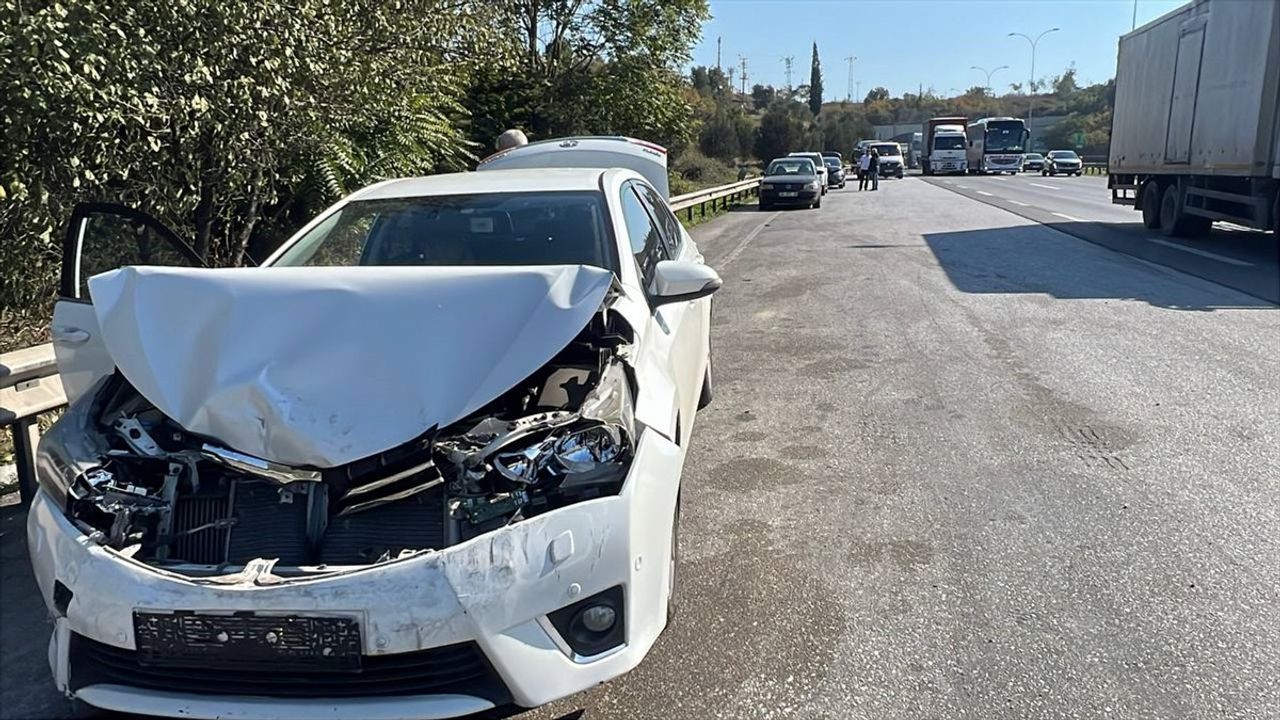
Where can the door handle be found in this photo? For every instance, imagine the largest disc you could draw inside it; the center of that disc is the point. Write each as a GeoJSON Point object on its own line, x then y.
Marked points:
{"type": "Point", "coordinates": [70, 335]}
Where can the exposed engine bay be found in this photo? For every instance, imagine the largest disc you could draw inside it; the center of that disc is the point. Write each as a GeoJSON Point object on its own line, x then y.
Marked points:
{"type": "Point", "coordinates": [139, 483]}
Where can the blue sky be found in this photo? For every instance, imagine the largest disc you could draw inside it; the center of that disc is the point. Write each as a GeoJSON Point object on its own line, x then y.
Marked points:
{"type": "Point", "coordinates": [889, 39]}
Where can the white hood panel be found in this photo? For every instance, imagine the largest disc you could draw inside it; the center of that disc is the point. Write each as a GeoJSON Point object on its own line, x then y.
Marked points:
{"type": "Point", "coordinates": [323, 366]}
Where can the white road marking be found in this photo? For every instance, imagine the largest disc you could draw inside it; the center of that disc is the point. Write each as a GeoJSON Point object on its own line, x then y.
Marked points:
{"type": "Point", "coordinates": [1201, 253]}
{"type": "Point", "coordinates": [1015, 202]}
{"type": "Point", "coordinates": [1067, 217]}
{"type": "Point", "coordinates": [1047, 187]}
{"type": "Point", "coordinates": [963, 187]}
{"type": "Point", "coordinates": [734, 253]}
{"type": "Point", "coordinates": [980, 192]}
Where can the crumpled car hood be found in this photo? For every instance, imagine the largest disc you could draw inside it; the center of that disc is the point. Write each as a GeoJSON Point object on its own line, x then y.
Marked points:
{"type": "Point", "coordinates": [321, 366]}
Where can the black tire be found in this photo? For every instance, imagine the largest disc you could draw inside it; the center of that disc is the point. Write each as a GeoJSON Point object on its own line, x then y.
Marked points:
{"type": "Point", "coordinates": [818, 204]}
{"type": "Point", "coordinates": [899, 175]}
{"type": "Point", "coordinates": [673, 589]}
{"type": "Point", "coordinates": [1198, 226]}
{"type": "Point", "coordinates": [707, 394]}
{"type": "Point", "coordinates": [1173, 221]}
{"type": "Point", "coordinates": [1151, 205]}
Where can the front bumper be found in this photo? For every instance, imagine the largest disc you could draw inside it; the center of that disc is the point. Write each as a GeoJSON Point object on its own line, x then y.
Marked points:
{"type": "Point", "coordinates": [1061, 168]}
{"type": "Point", "coordinates": [802, 197]}
{"type": "Point", "coordinates": [492, 593]}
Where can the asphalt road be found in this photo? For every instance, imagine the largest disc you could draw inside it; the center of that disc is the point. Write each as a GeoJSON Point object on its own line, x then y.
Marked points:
{"type": "Point", "coordinates": [959, 465]}
{"type": "Point", "coordinates": [1235, 256]}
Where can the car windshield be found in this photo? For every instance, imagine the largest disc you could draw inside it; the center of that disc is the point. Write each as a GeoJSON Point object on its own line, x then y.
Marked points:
{"type": "Point", "coordinates": [1034, 156]}
{"type": "Point", "coordinates": [1006, 136]}
{"type": "Point", "coordinates": [832, 162]}
{"type": "Point", "coordinates": [547, 228]}
{"type": "Point", "coordinates": [887, 149]}
{"type": "Point", "coordinates": [794, 166]}
{"type": "Point", "coordinates": [1063, 155]}
{"type": "Point", "coordinates": [948, 142]}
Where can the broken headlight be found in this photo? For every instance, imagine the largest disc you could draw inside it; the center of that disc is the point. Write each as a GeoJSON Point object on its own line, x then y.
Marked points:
{"type": "Point", "coordinates": [580, 451]}
{"type": "Point", "coordinates": [70, 450]}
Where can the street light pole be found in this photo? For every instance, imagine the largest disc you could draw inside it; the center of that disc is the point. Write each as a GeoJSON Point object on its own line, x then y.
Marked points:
{"type": "Point", "coordinates": [989, 73]}
{"type": "Point", "coordinates": [1031, 86]}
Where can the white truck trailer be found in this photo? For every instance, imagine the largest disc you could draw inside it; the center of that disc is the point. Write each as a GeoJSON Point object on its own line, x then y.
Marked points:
{"type": "Point", "coordinates": [1195, 134]}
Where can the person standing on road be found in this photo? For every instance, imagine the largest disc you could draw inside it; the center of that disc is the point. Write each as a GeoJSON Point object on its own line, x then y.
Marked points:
{"type": "Point", "coordinates": [873, 169]}
{"type": "Point", "coordinates": [864, 165]}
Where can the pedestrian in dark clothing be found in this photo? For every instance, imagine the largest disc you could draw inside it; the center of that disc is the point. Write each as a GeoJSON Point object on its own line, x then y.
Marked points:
{"type": "Point", "coordinates": [873, 169]}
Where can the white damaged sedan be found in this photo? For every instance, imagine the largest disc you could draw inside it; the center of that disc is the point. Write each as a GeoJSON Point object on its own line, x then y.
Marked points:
{"type": "Point", "coordinates": [424, 463]}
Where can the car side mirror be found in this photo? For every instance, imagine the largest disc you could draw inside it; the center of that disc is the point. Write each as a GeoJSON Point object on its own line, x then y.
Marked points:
{"type": "Point", "coordinates": [680, 281]}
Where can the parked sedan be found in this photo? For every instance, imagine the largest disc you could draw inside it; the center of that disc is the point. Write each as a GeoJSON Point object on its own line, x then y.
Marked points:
{"type": "Point", "coordinates": [1032, 162]}
{"type": "Point", "coordinates": [818, 163]}
{"type": "Point", "coordinates": [791, 181]}
{"type": "Point", "coordinates": [835, 171]}
{"type": "Point", "coordinates": [1062, 162]}
{"type": "Point", "coordinates": [424, 463]}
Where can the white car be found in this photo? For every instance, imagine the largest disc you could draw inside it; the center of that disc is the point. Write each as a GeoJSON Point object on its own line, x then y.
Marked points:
{"type": "Point", "coordinates": [424, 463]}
{"type": "Point", "coordinates": [819, 163]}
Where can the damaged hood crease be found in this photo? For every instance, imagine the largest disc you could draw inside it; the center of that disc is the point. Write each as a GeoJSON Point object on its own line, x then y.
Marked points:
{"type": "Point", "coordinates": [320, 366]}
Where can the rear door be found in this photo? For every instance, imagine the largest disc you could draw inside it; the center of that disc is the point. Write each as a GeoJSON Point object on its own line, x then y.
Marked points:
{"type": "Point", "coordinates": [1182, 105]}
{"type": "Point", "coordinates": [102, 237]}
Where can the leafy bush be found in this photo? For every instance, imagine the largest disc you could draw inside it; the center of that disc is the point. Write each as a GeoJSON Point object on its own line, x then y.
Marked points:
{"type": "Point", "coordinates": [700, 171]}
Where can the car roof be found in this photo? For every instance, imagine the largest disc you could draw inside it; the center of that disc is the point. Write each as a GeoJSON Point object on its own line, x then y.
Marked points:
{"type": "Point", "coordinates": [492, 181]}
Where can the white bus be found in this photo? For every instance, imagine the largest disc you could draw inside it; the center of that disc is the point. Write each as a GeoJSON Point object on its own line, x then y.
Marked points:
{"type": "Point", "coordinates": [996, 145]}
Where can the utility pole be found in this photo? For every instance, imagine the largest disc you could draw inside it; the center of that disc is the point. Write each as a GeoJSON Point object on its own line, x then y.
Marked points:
{"type": "Point", "coordinates": [1031, 86]}
{"type": "Point", "coordinates": [786, 63]}
{"type": "Point", "coordinates": [718, 54]}
{"type": "Point", "coordinates": [989, 73]}
{"type": "Point", "coordinates": [731, 85]}
{"type": "Point", "coordinates": [743, 59]}
{"type": "Point", "coordinates": [848, 91]}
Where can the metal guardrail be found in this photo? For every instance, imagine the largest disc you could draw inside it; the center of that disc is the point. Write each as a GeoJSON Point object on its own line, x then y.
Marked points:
{"type": "Point", "coordinates": [29, 386]}
{"type": "Point", "coordinates": [720, 196]}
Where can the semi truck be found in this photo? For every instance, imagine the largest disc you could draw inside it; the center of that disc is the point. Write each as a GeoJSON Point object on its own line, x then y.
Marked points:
{"type": "Point", "coordinates": [1195, 134]}
{"type": "Point", "coordinates": [944, 146]}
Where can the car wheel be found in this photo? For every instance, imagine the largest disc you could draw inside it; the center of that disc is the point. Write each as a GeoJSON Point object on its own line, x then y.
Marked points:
{"type": "Point", "coordinates": [673, 597]}
{"type": "Point", "coordinates": [707, 394]}
{"type": "Point", "coordinates": [818, 204]}
{"type": "Point", "coordinates": [899, 175]}
{"type": "Point", "coordinates": [1151, 205]}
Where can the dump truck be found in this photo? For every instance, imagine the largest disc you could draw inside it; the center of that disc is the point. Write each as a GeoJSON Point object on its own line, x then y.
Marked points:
{"type": "Point", "coordinates": [1195, 135]}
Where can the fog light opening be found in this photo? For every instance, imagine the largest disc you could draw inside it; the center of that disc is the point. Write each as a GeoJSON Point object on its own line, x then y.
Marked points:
{"type": "Point", "coordinates": [598, 618]}
{"type": "Point", "coordinates": [593, 625]}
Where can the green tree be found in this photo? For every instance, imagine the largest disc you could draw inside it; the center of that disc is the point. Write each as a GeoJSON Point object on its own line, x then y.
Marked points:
{"type": "Point", "coordinates": [815, 83]}
{"type": "Point", "coordinates": [762, 96]}
{"type": "Point", "coordinates": [876, 93]}
{"type": "Point", "coordinates": [1065, 84]}
{"type": "Point", "coordinates": [220, 118]}
{"type": "Point", "coordinates": [783, 129]}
